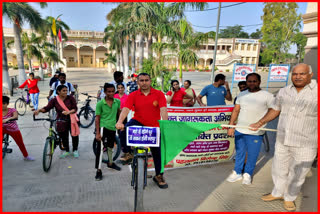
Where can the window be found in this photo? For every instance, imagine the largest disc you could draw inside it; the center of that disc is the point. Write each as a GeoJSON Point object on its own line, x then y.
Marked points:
{"type": "Point", "coordinates": [247, 60]}
{"type": "Point", "coordinates": [254, 47]}
{"type": "Point", "coordinates": [223, 47]}
{"type": "Point", "coordinates": [243, 59]}
{"type": "Point", "coordinates": [248, 47]}
{"type": "Point", "coordinates": [254, 60]}
{"type": "Point", "coordinates": [210, 47]}
{"type": "Point", "coordinates": [242, 47]}
{"type": "Point", "coordinates": [236, 47]}
{"type": "Point", "coordinates": [71, 59]}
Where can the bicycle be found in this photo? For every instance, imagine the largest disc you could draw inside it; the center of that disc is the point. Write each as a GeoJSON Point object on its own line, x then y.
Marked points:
{"type": "Point", "coordinates": [266, 142]}
{"type": "Point", "coordinates": [139, 176]}
{"type": "Point", "coordinates": [87, 114]}
{"type": "Point", "coordinates": [5, 142]}
{"type": "Point", "coordinates": [21, 103]}
{"type": "Point", "coordinates": [116, 149]}
{"type": "Point", "coordinates": [52, 141]}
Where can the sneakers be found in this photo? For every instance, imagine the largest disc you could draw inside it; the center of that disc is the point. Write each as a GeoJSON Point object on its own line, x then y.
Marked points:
{"type": "Point", "coordinates": [76, 154]}
{"type": "Point", "coordinates": [246, 179]}
{"type": "Point", "coordinates": [233, 177]}
{"type": "Point", "coordinates": [65, 154]}
{"type": "Point", "coordinates": [114, 166]}
{"type": "Point", "coordinates": [160, 181]}
{"type": "Point", "coordinates": [28, 158]}
{"type": "Point", "coordinates": [126, 157]}
{"type": "Point", "coordinates": [98, 176]}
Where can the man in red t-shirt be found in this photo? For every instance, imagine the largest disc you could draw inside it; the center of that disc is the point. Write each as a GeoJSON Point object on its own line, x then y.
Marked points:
{"type": "Point", "coordinates": [150, 106]}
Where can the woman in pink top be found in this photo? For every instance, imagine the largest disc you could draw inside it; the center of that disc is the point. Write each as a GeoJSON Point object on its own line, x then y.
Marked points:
{"type": "Point", "coordinates": [34, 91]}
{"type": "Point", "coordinates": [121, 95]}
{"type": "Point", "coordinates": [11, 128]}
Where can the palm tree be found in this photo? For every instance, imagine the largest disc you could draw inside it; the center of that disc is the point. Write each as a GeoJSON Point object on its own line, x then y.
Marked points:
{"type": "Point", "coordinates": [6, 84]}
{"type": "Point", "coordinates": [60, 25]}
{"type": "Point", "coordinates": [29, 46]}
{"type": "Point", "coordinates": [51, 57]}
{"type": "Point", "coordinates": [18, 13]}
{"type": "Point", "coordinates": [111, 58]}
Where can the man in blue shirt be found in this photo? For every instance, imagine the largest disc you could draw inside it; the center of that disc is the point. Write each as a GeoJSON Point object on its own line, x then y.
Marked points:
{"type": "Point", "coordinates": [215, 92]}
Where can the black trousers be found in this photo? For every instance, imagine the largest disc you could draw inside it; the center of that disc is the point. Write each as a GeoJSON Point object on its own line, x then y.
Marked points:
{"type": "Point", "coordinates": [156, 151]}
{"type": "Point", "coordinates": [108, 139]}
{"type": "Point", "coordinates": [65, 140]}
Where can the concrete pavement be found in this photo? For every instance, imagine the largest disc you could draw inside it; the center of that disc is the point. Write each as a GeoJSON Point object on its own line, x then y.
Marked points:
{"type": "Point", "coordinates": [26, 187]}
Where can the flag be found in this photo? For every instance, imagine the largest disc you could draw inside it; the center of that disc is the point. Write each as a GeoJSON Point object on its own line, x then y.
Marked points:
{"type": "Point", "coordinates": [175, 136]}
{"type": "Point", "coordinates": [53, 27]}
{"type": "Point", "coordinates": [59, 35]}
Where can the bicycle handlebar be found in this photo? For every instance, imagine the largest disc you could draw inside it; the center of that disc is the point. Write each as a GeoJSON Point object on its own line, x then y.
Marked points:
{"type": "Point", "coordinates": [86, 94]}
{"type": "Point", "coordinates": [11, 120]}
{"type": "Point", "coordinates": [39, 119]}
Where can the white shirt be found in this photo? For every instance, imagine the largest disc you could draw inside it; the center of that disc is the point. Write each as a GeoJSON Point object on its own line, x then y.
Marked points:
{"type": "Point", "coordinates": [253, 106]}
{"type": "Point", "coordinates": [298, 121]}
{"type": "Point", "coordinates": [54, 86]}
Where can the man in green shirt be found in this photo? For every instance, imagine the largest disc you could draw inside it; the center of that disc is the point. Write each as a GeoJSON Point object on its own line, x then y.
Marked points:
{"type": "Point", "coordinates": [107, 111]}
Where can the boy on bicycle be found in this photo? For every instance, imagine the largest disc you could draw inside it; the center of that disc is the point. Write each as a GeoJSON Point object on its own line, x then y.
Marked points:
{"type": "Point", "coordinates": [107, 111]}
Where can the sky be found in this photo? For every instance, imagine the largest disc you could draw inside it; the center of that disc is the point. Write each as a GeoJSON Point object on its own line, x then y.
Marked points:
{"type": "Point", "coordinates": [92, 16]}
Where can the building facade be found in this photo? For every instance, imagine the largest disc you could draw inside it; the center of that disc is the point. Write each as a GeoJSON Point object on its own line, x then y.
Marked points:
{"type": "Point", "coordinates": [310, 30]}
{"type": "Point", "coordinates": [86, 49]}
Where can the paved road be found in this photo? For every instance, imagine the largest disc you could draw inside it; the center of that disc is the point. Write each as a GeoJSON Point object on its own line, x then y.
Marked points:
{"type": "Point", "coordinates": [27, 188]}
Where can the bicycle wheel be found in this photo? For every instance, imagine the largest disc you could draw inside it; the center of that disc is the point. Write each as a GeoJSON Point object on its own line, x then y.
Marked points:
{"type": "Point", "coordinates": [139, 185]}
{"type": "Point", "coordinates": [115, 154]}
{"type": "Point", "coordinates": [47, 154]}
{"type": "Point", "coordinates": [21, 106]}
{"type": "Point", "coordinates": [5, 144]}
{"type": "Point", "coordinates": [86, 117]}
{"type": "Point", "coordinates": [266, 142]}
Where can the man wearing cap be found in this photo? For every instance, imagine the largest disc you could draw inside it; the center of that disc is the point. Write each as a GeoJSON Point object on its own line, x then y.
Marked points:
{"type": "Point", "coordinates": [132, 85]}
{"type": "Point", "coordinates": [54, 78]}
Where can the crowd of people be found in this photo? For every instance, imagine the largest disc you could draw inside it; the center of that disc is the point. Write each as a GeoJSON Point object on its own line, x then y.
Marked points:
{"type": "Point", "coordinates": [296, 106]}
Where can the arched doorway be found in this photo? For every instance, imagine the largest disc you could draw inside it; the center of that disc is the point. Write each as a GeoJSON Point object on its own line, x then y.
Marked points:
{"type": "Point", "coordinates": [100, 56]}
{"type": "Point", "coordinates": [70, 54]}
{"type": "Point", "coordinates": [86, 56]}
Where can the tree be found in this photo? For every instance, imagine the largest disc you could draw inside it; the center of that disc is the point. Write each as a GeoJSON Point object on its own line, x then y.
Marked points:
{"type": "Point", "coordinates": [300, 40]}
{"type": "Point", "coordinates": [29, 45]}
{"type": "Point", "coordinates": [280, 23]}
{"type": "Point", "coordinates": [256, 35]}
{"type": "Point", "coordinates": [18, 13]}
{"type": "Point", "coordinates": [233, 32]}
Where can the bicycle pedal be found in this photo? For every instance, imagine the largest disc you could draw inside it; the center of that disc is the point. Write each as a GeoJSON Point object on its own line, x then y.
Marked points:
{"type": "Point", "coordinates": [8, 150]}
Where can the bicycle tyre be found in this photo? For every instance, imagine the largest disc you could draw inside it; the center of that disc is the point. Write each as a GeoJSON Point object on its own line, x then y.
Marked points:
{"type": "Point", "coordinates": [86, 119]}
{"type": "Point", "coordinates": [139, 186]}
{"type": "Point", "coordinates": [115, 154]}
{"type": "Point", "coordinates": [21, 106]}
{"type": "Point", "coordinates": [47, 154]}
{"type": "Point", "coordinates": [5, 144]}
{"type": "Point", "coordinates": [266, 143]}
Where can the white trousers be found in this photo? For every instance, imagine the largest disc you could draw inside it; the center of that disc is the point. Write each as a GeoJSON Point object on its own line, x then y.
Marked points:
{"type": "Point", "coordinates": [289, 169]}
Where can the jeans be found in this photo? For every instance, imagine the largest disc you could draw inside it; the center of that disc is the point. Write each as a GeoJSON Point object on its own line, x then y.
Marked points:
{"type": "Point", "coordinates": [35, 100]}
{"type": "Point", "coordinates": [156, 151]}
{"type": "Point", "coordinates": [247, 144]}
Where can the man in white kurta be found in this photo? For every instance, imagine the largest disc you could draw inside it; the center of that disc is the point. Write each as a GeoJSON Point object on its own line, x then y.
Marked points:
{"type": "Point", "coordinates": [296, 142]}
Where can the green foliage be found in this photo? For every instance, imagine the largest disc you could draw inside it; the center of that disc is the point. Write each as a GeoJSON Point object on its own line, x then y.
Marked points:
{"type": "Point", "coordinates": [156, 70]}
{"type": "Point", "coordinates": [280, 23]}
{"type": "Point", "coordinates": [26, 66]}
{"type": "Point", "coordinates": [300, 40]}
{"type": "Point", "coordinates": [256, 35]}
{"type": "Point", "coordinates": [233, 32]}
